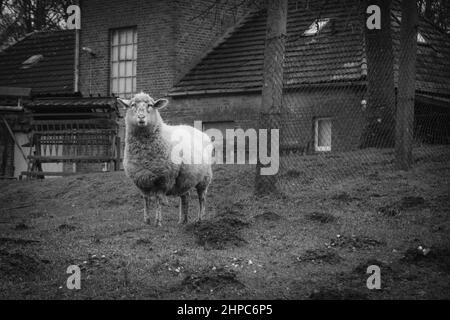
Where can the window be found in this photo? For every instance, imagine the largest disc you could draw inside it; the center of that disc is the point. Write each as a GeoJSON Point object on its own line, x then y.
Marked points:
{"type": "Point", "coordinates": [123, 62]}
{"type": "Point", "coordinates": [315, 27]}
{"type": "Point", "coordinates": [322, 136]}
{"type": "Point", "coordinates": [420, 38]}
{"type": "Point", "coordinates": [31, 61]}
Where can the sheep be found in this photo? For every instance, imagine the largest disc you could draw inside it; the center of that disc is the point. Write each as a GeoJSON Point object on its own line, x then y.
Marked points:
{"type": "Point", "coordinates": [149, 162]}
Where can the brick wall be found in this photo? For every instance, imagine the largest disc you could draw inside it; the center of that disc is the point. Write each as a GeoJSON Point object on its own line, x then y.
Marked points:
{"type": "Point", "coordinates": [343, 106]}
{"type": "Point", "coordinates": [172, 36]}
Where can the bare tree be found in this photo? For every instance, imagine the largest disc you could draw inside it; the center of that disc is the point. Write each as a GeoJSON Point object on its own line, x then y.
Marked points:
{"type": "Point", "coordinates": [19, 17]}
{"type": "Point", "coordinates": [436, 11]}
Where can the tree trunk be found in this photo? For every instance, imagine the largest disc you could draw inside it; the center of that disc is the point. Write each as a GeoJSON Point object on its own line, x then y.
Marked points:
{"type": "Point", "coordinates": [406, 85]}
{"type": "Point", "coordinates": [40, 15]}
{"type": "Point", "coordinates": [272, 90]}
{"type": "Point", "coordinates": [380, 125]}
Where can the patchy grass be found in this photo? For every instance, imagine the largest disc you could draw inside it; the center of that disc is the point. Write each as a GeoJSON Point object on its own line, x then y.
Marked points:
{"type": "Point", "coordinates": [210, 280]}
{"type": "Point", "coordinates": [322, 217]}
{"type": "Point", "coordinates": [320, 256]}
{"type": "Point", "coordinates": [314, 241]}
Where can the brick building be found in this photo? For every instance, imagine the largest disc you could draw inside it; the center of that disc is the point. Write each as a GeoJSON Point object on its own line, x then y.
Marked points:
{"type": "Point", "coordinates": [325, 97]}
{"type": "Point", "coordinates": [137, 45]}
{"type": "Point", "coordinates": [146, 45]}
{"type": "Point", "coordinates": [209, 61]}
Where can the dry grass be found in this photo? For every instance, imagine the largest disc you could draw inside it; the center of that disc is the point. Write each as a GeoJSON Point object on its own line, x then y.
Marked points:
{"type": "Point", "coordinates": [314, 242]}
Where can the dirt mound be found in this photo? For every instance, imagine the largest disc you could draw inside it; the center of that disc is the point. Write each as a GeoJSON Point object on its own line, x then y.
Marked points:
{"type": "Point", "coordinates": [292, 173]}
{"type": "Point", "coordinates": [389, 211]}
{"type": "Point", "coordinates": [353, 242]}
{"type": "Point", "coordinates": [343, 197]}
{"type": "Point", "coordinates": [410, 202]}
{"type": "Point", "coordinates": [21, 226]}
{"type": "Point", "coordinates": [210, 280]}
{"type": "Point", "coordinates": [66, 227]}
{"type": "Point", "coordinates": [267, 216]}
{"type": "Point", "coordinates": [93, 263]}
{"type": "Point", "coordinates": [406, 203]}
{"type": "Point", "coordinates": [333, 294]}
{"type": "Point", "coordinates": [19, 265]}
{"type": "Point", "coordinates": [432, 257]}
{"type": "Point", "coordinates": [143, 242]}
{"type": "Point", "coordinates": [215, 234]}
{"type": "Point", "coordinates": [221, 232]}
{"type": "Point", "coordinates": [320, 256]}
{"type": "Point", "coordinates": [322, 217]}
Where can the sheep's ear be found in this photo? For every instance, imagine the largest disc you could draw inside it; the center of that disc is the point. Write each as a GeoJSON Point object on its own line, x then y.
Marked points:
{"type": "Point", "coordinates": [160, 103]}
{"type": "Point", "coordinates": [124, 102]}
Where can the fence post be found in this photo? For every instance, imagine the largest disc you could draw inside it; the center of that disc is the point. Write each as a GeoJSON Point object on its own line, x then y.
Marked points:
{"type": "Point", "coordinates": [406, 85]}
{"type": "Point", "coordinates": [272, 90]}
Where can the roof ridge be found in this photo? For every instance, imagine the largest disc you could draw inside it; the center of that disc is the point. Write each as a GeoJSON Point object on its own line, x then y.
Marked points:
{"type": "Point", "coordinates": [237, 67]}
{"type": "Point", "coordinates": [14, 42]}
{"type": "Point", "coordinates": [29, 34]}
{"type": "Point", "coordinates": [217, 43]}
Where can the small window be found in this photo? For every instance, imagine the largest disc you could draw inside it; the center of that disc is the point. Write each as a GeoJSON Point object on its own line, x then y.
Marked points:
{"type": "Point", "coordinates": [421, 39]}
{"type": "Point", "coordinates": [316, 27]}
{"type": "Point", "coordinates": [31, 61]}
{"type": "Point", "coordinates": [322, 136]}
{"type": "Point", "coordinates": [123, 62]}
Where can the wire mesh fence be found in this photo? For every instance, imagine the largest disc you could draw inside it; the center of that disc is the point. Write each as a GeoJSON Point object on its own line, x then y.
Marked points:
{"type": "Point", "coordinates": [352, 97]}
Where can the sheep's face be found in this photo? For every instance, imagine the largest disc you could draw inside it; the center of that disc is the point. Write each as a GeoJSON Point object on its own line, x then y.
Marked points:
{"type": "Point", "coordinates": [142, 110]}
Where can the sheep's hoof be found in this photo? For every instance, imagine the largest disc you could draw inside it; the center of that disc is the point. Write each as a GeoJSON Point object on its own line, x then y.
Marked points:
{"type": "Point", "coordinates": [158, 224]}
{"type": "Point", "coordinates": [147, 221]}
{"type": "Point", "coordinates": [184, 221]}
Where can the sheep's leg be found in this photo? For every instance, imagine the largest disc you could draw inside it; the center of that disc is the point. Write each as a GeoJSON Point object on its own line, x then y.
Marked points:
{"type": "Point", "coordinates": [184, 208]}
{"type": "Point", "coordinates": [158, 215]}
{"type": "Point", "coordinates": [202, 201]}
{"type": "Point", "coordinates": [146, 208]}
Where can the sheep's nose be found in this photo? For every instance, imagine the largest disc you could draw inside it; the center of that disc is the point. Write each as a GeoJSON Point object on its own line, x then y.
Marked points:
{"type": "Point", "coordinates": [141, 116]}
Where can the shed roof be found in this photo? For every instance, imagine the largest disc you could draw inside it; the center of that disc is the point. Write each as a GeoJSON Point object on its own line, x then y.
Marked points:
{"type": "Point", "coordinates": [53, 73]}
{"type": "Point", "coordinates": [335, 55]}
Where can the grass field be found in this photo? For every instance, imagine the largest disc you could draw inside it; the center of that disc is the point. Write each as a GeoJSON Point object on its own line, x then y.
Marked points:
{"type": "Point", "coordinates": [314, 241]}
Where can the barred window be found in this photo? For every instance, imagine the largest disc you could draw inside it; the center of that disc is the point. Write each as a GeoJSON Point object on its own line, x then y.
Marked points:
{"type": "Point", "coordinates": [123, 62]}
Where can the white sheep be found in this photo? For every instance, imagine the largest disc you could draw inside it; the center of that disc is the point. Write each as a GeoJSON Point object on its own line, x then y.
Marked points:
{"type": "Point", "coordinates": [149, 161]}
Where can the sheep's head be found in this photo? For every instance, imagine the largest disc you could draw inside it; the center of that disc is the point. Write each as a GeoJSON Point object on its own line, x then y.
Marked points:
{"type": "Point", "coordinates": [142, 110]}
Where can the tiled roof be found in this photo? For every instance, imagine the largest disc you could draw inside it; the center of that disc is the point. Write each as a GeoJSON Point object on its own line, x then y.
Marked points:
{"type": "Point", "coordinates": [52, 74]}
{"type": "Point", "coordinates": [335, 55]}
{"type": "Point", "coordinates": [433, 57]}
{"type": "Point", "coordinates": [72, 102]}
